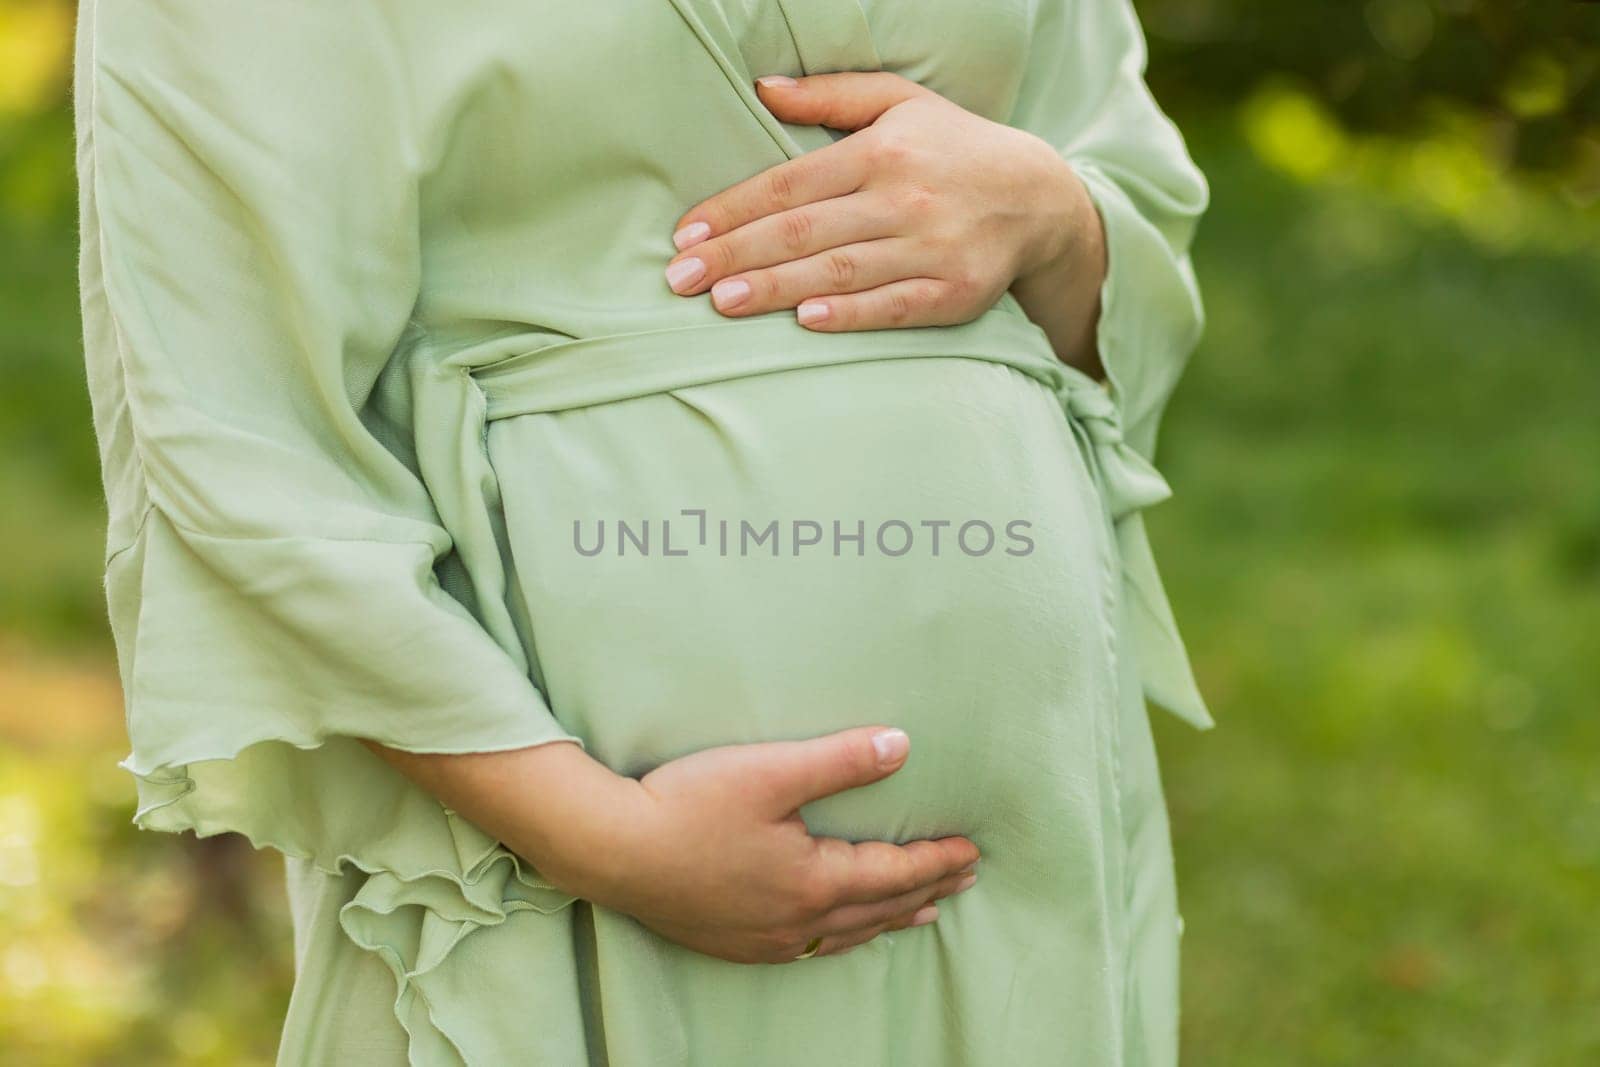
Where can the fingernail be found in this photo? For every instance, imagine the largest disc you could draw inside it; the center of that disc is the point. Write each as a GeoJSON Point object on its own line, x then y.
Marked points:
{"type": "Point", "coordinates": [730, 292]}
{"type": "Point", "coordinates": [691, 234]}
{"type": "Point", "coordinates": [925, 915]}
{"type": "Point", "coordinates": [966, 883]}
{"type": "Point", "coordinates": [809, 312]}
{"type": "Point", "coordinates": [890, 745]}
{"type": "Point", "coordinates": [684, 273]}
{"type": "Point", "coordinates": [777, 81]}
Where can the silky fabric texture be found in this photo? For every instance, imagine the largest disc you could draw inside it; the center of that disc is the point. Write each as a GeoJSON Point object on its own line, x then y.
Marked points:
{"type": "Point", "coordinates": [378, 344]}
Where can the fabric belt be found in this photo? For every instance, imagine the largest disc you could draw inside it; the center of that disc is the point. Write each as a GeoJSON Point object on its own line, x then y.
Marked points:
{"type": "Point", "coordinates": [583, 372]}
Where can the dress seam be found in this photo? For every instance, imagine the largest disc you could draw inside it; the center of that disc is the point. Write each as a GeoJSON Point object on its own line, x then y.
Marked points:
{"type": "Point", "coordinates": [138, 531]}
{"type": "Point", "coordinates": [153, 506]}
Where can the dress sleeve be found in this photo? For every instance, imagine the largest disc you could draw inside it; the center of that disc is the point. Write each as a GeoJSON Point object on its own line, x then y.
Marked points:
{"type": "Point", "coordinates": [1084, 92]}
{"type": "Point", "coordinates": [249, 267]}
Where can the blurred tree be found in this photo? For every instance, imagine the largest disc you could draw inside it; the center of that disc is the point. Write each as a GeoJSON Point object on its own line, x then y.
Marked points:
{"type": "Point", "coordinates": [35, 85]}
{"type": "Point", "coordinates": [1530, 69]}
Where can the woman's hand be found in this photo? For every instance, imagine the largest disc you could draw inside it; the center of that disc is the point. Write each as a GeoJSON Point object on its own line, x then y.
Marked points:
{"type": "Point", "coordinates": [708, 850]}
{"type": "Point", "coordinates": [714, 855]}
{"type": "Point", "coordinates": [923, 216]}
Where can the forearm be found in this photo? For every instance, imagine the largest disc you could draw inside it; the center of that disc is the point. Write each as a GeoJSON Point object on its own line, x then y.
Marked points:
{"type": "Point", "coordinates": [547, 803]}
{"type": "Point", "coordinates": [1062, 294]}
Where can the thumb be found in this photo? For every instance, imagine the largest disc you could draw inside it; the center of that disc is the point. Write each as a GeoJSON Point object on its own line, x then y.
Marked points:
{"type": "Point", "coordinates": [847, 100]}
{"type": "Point", "coordinates": [802, 771]}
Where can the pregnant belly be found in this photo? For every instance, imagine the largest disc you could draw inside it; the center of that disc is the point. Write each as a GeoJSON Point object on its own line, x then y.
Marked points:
{"type": "Point", "coordinates": [913, 542]}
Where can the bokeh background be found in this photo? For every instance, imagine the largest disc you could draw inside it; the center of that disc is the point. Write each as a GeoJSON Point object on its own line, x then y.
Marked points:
{"type": "Point", "coordinates": [1384, 549]}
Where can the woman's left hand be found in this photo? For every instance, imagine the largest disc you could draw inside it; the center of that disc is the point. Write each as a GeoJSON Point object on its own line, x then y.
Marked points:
{"type": "Point", "coordinates": [923, 216]}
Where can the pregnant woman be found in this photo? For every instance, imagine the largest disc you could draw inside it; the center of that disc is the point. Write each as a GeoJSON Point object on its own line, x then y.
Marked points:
{"type": "Point", "coordinates": [639, 502]}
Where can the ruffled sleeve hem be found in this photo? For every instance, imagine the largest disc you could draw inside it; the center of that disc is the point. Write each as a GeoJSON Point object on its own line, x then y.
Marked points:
{"type": "Point", "coordinates": [250, 721]}
{"type": "Point", "coordinates": [432, 880]}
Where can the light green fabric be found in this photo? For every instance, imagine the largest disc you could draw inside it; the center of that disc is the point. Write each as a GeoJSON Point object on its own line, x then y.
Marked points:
{"type": "Point", "coordinates": [374, 315]}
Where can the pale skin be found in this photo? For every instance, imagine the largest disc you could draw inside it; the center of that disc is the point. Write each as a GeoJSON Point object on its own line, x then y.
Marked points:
{"type": "Point", "coordinates": [924, 215]}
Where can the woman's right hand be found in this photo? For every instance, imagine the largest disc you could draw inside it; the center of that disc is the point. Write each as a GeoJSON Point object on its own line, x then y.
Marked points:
{"type": "Point", "coordinates": [712, 853]}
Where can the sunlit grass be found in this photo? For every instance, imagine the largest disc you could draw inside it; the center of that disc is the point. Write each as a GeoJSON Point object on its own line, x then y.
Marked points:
{"type": "Point", "coordinates": [111, 940]}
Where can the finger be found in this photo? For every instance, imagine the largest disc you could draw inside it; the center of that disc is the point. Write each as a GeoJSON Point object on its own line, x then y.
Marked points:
{"type": "Point", "coordinates": [833, 946]}
{"type": "Point", "coordinates": [869, 871]}
{"type": "Point", "coordinates": [921, 917]}
{"type": "Point", "coordinates": [834, 271]}
{"type": "Point", "coordinates": [850, 917]}
{"type": "Point", "coordinates": [782, 237]}
{"type": "Point", "coordinates": [845, 100]}
{"type": "Point", "coordinates": [797, 772]}
{"type": "Point", "coordinates": [823, 173]}
{"type": "Point", "coordinates": [900, 303]}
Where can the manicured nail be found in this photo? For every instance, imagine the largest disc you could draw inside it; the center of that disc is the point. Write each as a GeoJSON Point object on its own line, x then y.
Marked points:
{"type": "Point", "coordinates": [684, 273]}
{"type": "Point", "coordinates": [729, 292]}
{"type": "Point", "coordinates": [691, 234]}
{"type": "Point", "coordinates": [890, 744]}
{"type": "Point", "coordinates": [966, 883]}
{"type": "Point", "coordinates": [809, 312]}
{"type": "Point", "coordinates": [776, 81]}
{"type": "Point", "coordinates": [925, 915]}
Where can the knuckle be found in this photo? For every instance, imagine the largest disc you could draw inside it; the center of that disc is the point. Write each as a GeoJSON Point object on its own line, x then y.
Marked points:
{"type": "Point", "coordinates": [813, 896]}
{"type": "Point", "coordinates": [890, 150]}
{"type": "Point", "coordinates": [966, 302]}
{"type": "Point", "coordinates": [842, 269]}
{"type": "Point", "coordinates": [885, 874]}
{"type": "Point", "coordinates": [779, 185]}
{"type": "Point", "coordinates": [796, 230]}
{"type": "Point", "coordinates": [902, 305]}
{"type": "Point", "coordinates": [767, 287]}
{"type": "Point", "coordinates": [917, 200]}
{"type": "Point", "coordinates": [721, 258]}
{"type": "Point", "coordinates": [963, 284]}
{"type": "Point", "coordinates": [910, 877]}
{"type": "Point", "coordinates": [940, 300]}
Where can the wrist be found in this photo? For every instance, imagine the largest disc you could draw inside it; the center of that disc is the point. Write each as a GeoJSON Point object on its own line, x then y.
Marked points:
{"type": "Point", "coordinates": [1065, 219]}
{"type": "Point", "coordinates": [1065, 266]}
{"type": "Point", "coordinates": [576, 820]}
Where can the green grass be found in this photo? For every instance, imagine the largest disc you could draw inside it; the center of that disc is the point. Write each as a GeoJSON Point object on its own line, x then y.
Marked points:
{"type": "Point", "coordinates": [1384, 549]}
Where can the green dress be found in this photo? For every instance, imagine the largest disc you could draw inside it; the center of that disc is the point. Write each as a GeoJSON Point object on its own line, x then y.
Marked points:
{"type": "Point", "coordinates": [405, 437]}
